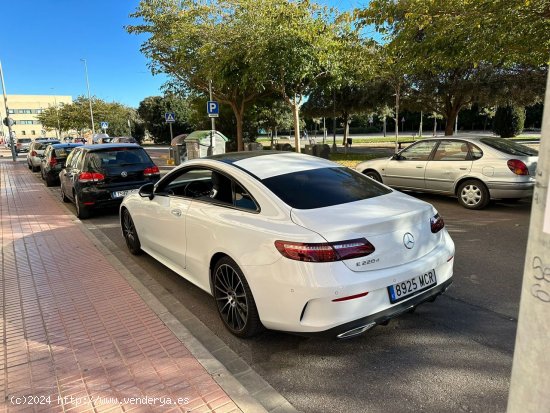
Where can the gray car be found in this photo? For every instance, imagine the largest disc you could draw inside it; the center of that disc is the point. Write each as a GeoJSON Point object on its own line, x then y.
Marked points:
{"type": "Point", "coordinates": [474, 169]}
{"type": "Point", "coordinates": [36, 152]}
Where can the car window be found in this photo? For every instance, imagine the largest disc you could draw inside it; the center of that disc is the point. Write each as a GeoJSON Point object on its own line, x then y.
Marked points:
{"type": "Point", "coordinates": [117, 157]}
{"type": "Point", "coordinates": [475, 152]}
{"type": "Point", "coordinates": [323, 187]}
{"type": "Point", "coordinates": [509, 147]}
{"type": "Point", "coordinates": [61, 153]}
{"type": "Point", "coordinates": [452, 151]}
{"type": "Point", "coordinates": [243, 199]}
{"type": "Point", "coordinates": [418, 152]}
{"type": "Point", "coordinates": [75, 160]}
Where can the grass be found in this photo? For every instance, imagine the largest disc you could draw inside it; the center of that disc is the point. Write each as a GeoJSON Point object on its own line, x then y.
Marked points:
{"type": "Point", "coordinates": [351, 160]}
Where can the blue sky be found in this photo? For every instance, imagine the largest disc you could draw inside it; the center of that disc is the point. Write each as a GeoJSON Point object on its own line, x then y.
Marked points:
{"type": "Point", "coordinates": [43, 41]}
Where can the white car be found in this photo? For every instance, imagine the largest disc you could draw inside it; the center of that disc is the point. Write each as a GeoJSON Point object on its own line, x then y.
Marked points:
{"type": "Point", "coordinates": [292, 242]}
{"type": "Point", "coordinates": [36, 152]}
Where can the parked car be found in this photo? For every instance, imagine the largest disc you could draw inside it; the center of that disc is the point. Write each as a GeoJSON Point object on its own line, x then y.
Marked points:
{"type": "Point", "coordinates": [36, 152]}
{"type": "Point", "coordinates": [257, 230]}
{"type": "Point", "coordinates": [123, 139]}
{"type": "Point", "coordinates": [474, 169]}
{"type": "Point", "coordinates": [53, 161]}
{"type": "Point", "coordinates": [22, 144]}
{"type": "Point", "coordinates": [101, 175]}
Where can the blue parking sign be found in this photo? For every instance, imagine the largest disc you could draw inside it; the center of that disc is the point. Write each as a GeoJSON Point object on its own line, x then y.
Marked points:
{"type": "Point", "coordinates": [212, 108]}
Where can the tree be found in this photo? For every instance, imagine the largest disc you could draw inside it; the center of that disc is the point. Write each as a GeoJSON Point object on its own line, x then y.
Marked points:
{"type": "Point", "coordinates": [272, 115]}
{"type": "Point", "coordinates": [203, 44]}
{"type": "Point", "coordinates": [509, 121]}
{"type": "Point", "coordinates": [462, 51]}
{"type": "Point", "coordinates": [152, 110]}
{"type": "Point", "coordinates": [76, 116]}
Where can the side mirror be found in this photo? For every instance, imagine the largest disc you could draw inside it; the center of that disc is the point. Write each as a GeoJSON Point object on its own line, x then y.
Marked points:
{"type": "Point", "coordinates": [147, 190]}
{"type": "Point", "coordinates": [396, 157]}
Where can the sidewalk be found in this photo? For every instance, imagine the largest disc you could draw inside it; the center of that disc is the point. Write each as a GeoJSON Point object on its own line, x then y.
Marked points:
{"type": "Point", "coordinates": [76, 336]}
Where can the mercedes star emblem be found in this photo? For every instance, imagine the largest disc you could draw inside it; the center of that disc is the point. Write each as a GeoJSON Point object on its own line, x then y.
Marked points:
{"type": "Point", "coordinates": [408, 240]}
{"type": "Point", "coordinates": [124, 174]}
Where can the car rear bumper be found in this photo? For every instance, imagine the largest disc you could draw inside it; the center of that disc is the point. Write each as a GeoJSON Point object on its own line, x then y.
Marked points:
{"type": "Point", "coordinates": [94, 197]}
{"type": "Point", "coordinates": [308, 291]}
{"type": "Point", "coordinates": [500, 190]}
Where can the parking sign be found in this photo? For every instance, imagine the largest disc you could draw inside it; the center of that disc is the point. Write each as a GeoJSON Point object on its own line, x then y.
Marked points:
{"type": "Point", "coordinates": [213, 109]}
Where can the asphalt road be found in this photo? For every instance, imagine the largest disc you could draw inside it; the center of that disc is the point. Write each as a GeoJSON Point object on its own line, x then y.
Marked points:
{"type": "Point", "coordinates": [453, 355]}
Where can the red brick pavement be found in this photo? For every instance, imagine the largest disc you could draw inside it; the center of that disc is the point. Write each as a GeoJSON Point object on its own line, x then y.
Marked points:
{"type": "Point", "coordinates": [76, 336]}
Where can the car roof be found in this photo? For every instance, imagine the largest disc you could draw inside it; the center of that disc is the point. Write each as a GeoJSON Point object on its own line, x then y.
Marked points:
{"type": "Point", "coordinates": [103, 146]}
{"type": "Point", "coordinates": [267, 164]}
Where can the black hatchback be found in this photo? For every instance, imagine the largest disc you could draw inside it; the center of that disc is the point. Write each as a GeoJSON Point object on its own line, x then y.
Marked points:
{"type": "Point", "coordinates": [102, 175]}
{"type": "Point", "coordinates": [53, 161]}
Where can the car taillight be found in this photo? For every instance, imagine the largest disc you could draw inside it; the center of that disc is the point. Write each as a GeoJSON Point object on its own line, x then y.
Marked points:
{"type": "Point", "coordinates": [33, 153]}
{"type": "Point", "coordinates": [153, 170]}
{"type": "Point", "coordinates": [325, 251]}
{"type": "Point", "coordinates": [90, 177]}
{"type": "Point", "coordinates": [518, 167]}
{"type": "Point", "coordinates": [436, 223]}
{"type": "Point", "coordinates": [53, 162]}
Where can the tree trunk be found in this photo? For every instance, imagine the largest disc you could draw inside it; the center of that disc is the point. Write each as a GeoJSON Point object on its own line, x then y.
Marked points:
{"type": "Point", "coordinates": [384, 126]}
{"type": "Point", "coordinates": [239, 115]}
{"type": "Point", "coordinates": [296, 115]}
{"type": "Point", "coordinates": [451, 119]}
{"type": "Point", "coordinates": [397, 92]}
{"type": "Point", "coordinates": [345, 117]}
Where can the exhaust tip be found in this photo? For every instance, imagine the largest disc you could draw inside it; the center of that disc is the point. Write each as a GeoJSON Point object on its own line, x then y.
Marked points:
{"type": "Point", "coordinates": [356, 331]}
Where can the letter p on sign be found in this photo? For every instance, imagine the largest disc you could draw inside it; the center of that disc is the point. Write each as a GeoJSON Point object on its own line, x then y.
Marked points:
{"type": "Point", "coordinates": [213, 109]}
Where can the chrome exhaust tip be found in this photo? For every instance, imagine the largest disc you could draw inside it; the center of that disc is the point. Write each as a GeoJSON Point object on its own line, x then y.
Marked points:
{"type": "Point", "coordinates": [356, 331]}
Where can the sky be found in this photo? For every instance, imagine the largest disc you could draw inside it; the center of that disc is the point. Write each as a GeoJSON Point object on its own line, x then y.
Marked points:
{"type": "Point", "coordinates": [42, 42]}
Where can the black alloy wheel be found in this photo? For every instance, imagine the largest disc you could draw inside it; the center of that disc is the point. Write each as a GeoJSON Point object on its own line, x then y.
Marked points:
{"type": "Point", "coordinates": [236, 305]}
{"type": "Point", "coordinates": [130, 233]}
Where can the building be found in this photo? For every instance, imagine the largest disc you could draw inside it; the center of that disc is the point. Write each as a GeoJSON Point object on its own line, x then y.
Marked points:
{"type": "Point", "coordinates": [23, 109]}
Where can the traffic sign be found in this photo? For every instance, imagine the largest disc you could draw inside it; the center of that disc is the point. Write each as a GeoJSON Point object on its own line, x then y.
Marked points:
{"type": "Point", "coordinates": [213, 109]}
{"type": "Point", "coordinates": [104, 125]}
{"type": "Point", "coordinates": [170, 117]}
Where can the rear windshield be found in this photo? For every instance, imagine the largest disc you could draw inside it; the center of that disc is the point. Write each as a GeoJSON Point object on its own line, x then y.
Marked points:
{"type": "Point", "coordinates": [318, 188]}
{"type": "Point", "coordinates": [509, 147]}
{"type": "Point", "coordinates": [23, 140]}
{"type": "Point", "coordinates": [118, 157]}
{"type": "Point", "coordinates": [61, 153]}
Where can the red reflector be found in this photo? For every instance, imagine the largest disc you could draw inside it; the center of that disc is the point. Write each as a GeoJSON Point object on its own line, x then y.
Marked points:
{"type": "Point", "coordinates": [33, 153]}
{"type": "Point", "coordinates": [326, 251]}
{"type": "Point", "coordinates": [436, 223]}
{"type": "Point", "coordinates": [350, 297]}
{"type": "Point", "coordinates": [154, 170]}
{"type": "Point", "coordinates": [53, 162]}
{"type": "Point", "coordinates": [518, 167]}
{"type": "Point", "coordinates": [90, 177]}
{"type": "Point", "coordinates": [88, 203]}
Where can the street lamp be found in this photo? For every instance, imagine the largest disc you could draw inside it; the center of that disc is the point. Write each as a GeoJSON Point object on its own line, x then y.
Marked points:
{"type": "Point", "coordinates": [89, 98]}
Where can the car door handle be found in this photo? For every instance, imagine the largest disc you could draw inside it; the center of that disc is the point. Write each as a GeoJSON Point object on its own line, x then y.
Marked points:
{"type": "Point", "coordinates": [176, 212]}
{"type": "Point", "coordinates": [463, 169]}
{"type": "Point", "coordinates": [419, 167]}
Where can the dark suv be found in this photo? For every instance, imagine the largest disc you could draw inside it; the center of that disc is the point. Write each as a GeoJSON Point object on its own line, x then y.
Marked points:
{"type": "Point", "coordinates": [102, 175]}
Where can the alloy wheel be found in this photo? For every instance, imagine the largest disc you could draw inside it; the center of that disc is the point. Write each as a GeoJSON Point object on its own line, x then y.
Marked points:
{"type": "Point", "coordinates": [231, 298]}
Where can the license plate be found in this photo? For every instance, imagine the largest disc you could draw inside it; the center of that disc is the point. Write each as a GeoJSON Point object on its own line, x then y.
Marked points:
{"type": "Point", "coordinates": [406, 288]}
{"type": "Point", "coordinates": [122, 194]}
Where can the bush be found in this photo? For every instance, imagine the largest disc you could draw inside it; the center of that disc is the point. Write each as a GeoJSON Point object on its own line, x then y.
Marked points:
{"type": "Point", "coordinates": [509, 121]}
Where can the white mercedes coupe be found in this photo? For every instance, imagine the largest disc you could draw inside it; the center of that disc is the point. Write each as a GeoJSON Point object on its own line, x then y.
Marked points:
{"type": "Point", "coordinates": [292, 242]}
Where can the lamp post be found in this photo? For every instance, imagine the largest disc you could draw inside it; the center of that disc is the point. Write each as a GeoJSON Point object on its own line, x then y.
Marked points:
{"type": "Point", "coordinates": [89, 98]}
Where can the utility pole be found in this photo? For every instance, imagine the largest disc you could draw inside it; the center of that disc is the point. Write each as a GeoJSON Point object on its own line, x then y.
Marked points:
{"type": "Point", "coordinates": [12, 143]}
{"type": "Point", "coordinates": [530, 371]}
{"type": "Point", "coordinates": [210, 150]}
{"type": "Point", "coordinates": [89, 97]}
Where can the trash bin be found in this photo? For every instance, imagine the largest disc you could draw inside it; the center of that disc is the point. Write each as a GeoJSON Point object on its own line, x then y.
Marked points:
{"type": "Point", "coordinates": [198, 143]}
{"type": "Point", "coordinates": [180, 154]}
{"type": "Point", "coordinates": [254, 146]}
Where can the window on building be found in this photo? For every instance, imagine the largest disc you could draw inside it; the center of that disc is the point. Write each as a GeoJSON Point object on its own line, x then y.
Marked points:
{"type": "Point", "coordinates": [23, 132]}
{"type": "Point", "coordinates": [33, 132]}
{"type": "Point", "coordinates": [11, 111]}
{"type": "Point", "coordinates": [27, 111]}
{"type": "Point", "coordinates": [20, 110]}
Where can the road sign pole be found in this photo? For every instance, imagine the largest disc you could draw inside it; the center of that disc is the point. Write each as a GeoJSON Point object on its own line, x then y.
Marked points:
{"type": "Point", "coordinates": [171, 133]}
{"type": "Point", "coordinates": [12, 143]}
{"type": "Point", "coordinates": [530, 379]}
{"type": "Point", "coordinates": [211, 147]}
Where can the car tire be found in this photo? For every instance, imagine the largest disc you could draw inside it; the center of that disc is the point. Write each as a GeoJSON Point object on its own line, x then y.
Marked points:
{"type": "Point", "coordinates": [82, 212]}
{"type": "Point", "coordinates": [35, 168]}
{"type": "Point", "coordinates": [234, 300]}
{"type": "Point", "coordinates": [49, 181]}
{"type": "Point", "coordinates": [473, 194]}
{"type": "Point", "coordinates": [373, 175]}
{"type": "Point", "coordinates": [130, 233]}
{"type": "Point", "coordinates": [64, 197]}
{"type": "Point", "coordinates": [29, 165]}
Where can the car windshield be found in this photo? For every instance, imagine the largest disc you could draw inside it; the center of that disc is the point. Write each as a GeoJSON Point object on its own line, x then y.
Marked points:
{"type": "Point", "coordinates": [23, 140]}
{"type": "Point", "coordinates": [323, 187]}
{"type": "Point", "coordinates": [509, 147]}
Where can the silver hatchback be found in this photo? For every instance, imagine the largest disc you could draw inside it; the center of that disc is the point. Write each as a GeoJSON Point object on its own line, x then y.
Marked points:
{"type": "Point", "coordinates": [474, 169]}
